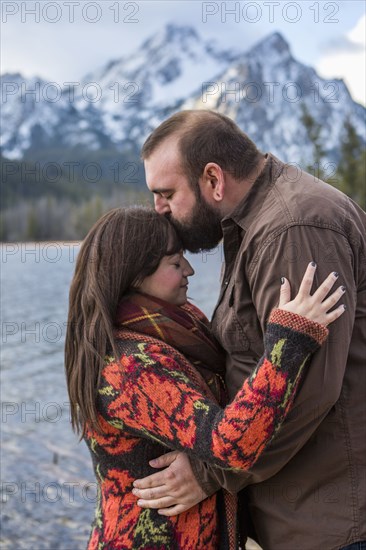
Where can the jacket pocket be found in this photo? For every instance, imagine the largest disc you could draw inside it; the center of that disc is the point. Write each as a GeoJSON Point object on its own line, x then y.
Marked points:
{"type": "Point", "coordinates": [229, 329]}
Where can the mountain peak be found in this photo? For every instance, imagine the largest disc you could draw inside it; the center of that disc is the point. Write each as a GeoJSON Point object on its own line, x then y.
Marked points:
{"type": "Point", "coordinates": [171, 33]}
{"type": "Point", "coordinates": [260, 89]}
{"type": "Point", "coordinates": [172, 30]}
{"type": "Point", "coordinates": [274, 43]}
{"type": "Point", "coordinates": [277, 40]}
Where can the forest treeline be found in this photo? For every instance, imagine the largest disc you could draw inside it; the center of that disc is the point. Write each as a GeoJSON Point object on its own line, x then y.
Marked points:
{"type": "Point", "coordinates": [349, 174]}
{"type": "Point", "coordinates": [43, 199]}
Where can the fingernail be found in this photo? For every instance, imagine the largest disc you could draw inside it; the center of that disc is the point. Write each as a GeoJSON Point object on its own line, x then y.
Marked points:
{"type": "Point", "coordinates": [152, 462]}
{"type": "Point", "coordinates": [282, 281]}
{"type": "Point", "coordinates": [134, 491]}
{"type": "Point", "coordinates": [344, 306]}
{"type": "Point", "coordinates": [139, 502]}
{"type": "Point", "coordinates": [335, 274]}
{"type": "Point", "coordinates": [313, 264]}
{"type": "Point", "coordinates": [343, 288]}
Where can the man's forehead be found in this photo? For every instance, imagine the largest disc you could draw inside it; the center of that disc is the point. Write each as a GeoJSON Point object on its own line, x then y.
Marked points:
{"type": "Point", "coordinates": [162, 171]}
{"type": "Point", "coordinates": [167, 151]}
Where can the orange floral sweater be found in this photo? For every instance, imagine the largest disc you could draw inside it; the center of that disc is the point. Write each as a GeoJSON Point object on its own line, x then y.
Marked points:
{"type": "Point", "coordinates": [148, 405]}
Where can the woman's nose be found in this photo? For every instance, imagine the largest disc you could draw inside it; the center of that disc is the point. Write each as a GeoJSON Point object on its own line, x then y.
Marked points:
{"type": "Point", "coordinates": [188, 269]}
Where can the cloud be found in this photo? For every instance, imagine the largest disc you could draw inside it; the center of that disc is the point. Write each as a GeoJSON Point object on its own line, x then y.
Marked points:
{"type": "Point", "coordinates": [345, 58]}
{"type": "Point", "coordinates": [343, 44]}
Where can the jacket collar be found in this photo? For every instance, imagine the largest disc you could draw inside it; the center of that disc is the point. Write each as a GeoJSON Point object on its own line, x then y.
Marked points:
{"type": "Point", "coordinates": [247, 210]}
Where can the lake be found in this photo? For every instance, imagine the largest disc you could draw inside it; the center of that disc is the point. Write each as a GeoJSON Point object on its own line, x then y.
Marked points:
{"type": "Point", "coordinates": [48, 489]}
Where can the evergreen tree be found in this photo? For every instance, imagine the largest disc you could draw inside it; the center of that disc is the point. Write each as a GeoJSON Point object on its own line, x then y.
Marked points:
{"type": "Point", "coordinates": [351, 168]}
{"type": "Point", "coordinates": [313, 130]}
{"type": "Point", "coordinates": [32, 231]}
{"type": "Point", "coordinates": [351, 172]}
{"type": "Point", "coordinates": [3, 229]}
{"type": "Point", "coordinates": [361, 178]}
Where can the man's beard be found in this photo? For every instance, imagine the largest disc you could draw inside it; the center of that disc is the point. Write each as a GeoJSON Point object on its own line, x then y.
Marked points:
{"type": "Point", "coordinates": [203, 229]}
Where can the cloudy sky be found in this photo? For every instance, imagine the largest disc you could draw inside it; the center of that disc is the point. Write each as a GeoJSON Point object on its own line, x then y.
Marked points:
{"type": "Point", "coordinates": [64, 40]}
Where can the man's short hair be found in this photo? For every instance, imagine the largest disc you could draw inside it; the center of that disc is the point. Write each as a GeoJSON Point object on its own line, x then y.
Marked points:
{"type": "Point", "coordinates": [203, 137]}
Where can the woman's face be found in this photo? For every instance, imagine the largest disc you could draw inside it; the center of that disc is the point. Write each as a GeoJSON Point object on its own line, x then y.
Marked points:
{"type": "Point", "coordinates": [170, 281]}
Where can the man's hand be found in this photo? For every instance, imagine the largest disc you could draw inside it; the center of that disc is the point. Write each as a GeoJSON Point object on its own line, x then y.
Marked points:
{"type": "Point", "coordinates": [173, 490]}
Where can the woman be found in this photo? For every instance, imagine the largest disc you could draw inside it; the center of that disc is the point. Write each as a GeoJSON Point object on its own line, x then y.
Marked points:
{"type": "Point", "coordinates": [145, 376]}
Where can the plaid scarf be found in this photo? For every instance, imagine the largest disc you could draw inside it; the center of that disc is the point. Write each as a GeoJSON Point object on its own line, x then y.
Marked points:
{"type": "Point", "coordinates": [185, 328]}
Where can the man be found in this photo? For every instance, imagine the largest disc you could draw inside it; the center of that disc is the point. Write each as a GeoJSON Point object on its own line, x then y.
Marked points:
{"type": "Point", "coordinates": [308, 492]}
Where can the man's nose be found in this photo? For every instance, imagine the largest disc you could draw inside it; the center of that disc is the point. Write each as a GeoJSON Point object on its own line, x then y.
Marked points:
{"type": "Point", "coordinates": [161, 205]}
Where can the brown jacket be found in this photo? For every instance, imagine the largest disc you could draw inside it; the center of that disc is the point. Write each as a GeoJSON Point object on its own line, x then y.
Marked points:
{"type": "Point", "coordinates": [308, 491]}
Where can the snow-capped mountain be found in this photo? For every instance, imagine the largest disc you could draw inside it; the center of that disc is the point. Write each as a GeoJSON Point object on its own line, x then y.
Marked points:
{"type": "Point", "coordinates": [119, 104]}
{"type": "Point", "coordinates": [162, 73]}
{"type": "Point", "coordinates": [38, 114]}
{"type": "Point", "coordinates": [265, 92]}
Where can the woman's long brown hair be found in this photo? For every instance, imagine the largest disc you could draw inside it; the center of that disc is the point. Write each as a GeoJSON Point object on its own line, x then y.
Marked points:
{"type": "Point", "coordinates": [122, 248]}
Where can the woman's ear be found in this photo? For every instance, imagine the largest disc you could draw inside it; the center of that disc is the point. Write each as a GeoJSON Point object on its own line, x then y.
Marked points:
{"type": "Point", "coordinates": [212, 182]}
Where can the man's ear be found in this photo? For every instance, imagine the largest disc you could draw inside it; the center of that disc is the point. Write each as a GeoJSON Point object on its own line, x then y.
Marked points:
{"type": "Point", "coordinates": [213, 182]}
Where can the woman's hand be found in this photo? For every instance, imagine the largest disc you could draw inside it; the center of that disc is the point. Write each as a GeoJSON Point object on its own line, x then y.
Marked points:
{"type": "Point", "coordinates": [315, 307]}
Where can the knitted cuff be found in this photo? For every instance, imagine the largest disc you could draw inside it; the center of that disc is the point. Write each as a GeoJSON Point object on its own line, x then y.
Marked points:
{"type": "Point", "coordinates": [299, 323]}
